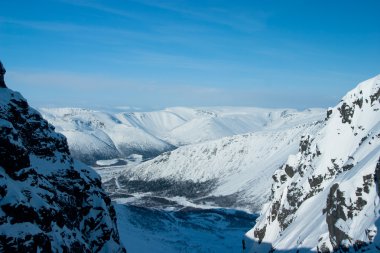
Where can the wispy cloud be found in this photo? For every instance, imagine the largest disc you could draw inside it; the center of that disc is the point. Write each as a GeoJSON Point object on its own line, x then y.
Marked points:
{"type": "Point", "coordinates": [104, 8]}
{"type": "Point", "coordinates": [46, 26]}
{"type": "Point", "coordinates": [68, 27]}
{"type": "Point", "coordinates": [117, 38]}
{"type": "Point", "coordinates": [111, 35]}
{"type": "Point", "coordinates": [41, 80]}
{"type": "Point", "coordinates": [238, 21]}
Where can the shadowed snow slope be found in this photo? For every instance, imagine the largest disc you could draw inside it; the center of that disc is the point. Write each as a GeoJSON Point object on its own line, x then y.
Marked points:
{"type": "Point", "coordinates": [48, 203]}
{"type": "Point", "coordinates": [94, 135]}
{"type": "Point", "coordinates": [326, 197]}
{"type": "Point", "coordinates": [187, 231]}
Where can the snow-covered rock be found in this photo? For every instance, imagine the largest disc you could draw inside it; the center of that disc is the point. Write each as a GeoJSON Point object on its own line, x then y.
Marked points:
{"type": "Point", "coordinates": [230, 172]}
{"type": "Point", "coordinates": [326, 197]}
{"type": "Point", "coordinates": [48, 202]}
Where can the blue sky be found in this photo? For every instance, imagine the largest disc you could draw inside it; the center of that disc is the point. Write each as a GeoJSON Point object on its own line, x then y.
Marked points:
{"type": "Point", "coordinates": [153, 54]}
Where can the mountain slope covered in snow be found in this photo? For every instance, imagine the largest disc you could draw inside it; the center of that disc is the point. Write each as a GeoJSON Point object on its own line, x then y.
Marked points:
{"type": "Point", "coordinates": [48, 202]}
{"type": "Point", "coordinates": [228, 172]}
{"type": "Point", "coordinates": [183, 126]}
{"type": "Point", "coordinates": [94, 135]}
{"type": "Point", "coordinates": [326, 197]}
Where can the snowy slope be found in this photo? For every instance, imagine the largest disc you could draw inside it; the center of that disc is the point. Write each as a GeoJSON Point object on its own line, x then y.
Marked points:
{"type": "Point", "coordinates": [326, 197]}
{"type": "Point", "coordinates": [94, 135]}
{"type": "Point", "coordinates": [230, 172]}
{"type": "Point", "coordinates": [48, 202]}
{"type": "Point", "coordinates": [182, 126]}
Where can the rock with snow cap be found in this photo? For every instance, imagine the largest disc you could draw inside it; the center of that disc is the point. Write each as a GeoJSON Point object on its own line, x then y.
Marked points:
{"type": "Point", "coordinates": [330, 200]}
{"type": "Point", "coordinates": [48, 201]}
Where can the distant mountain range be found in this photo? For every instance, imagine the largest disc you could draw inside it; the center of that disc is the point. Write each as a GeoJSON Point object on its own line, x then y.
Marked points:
{"type": "Point", "coordinates": [95, 135]}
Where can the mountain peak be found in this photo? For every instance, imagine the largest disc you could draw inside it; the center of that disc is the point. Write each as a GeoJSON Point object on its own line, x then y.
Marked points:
{"type": "Point", "coordinates": [325, 197]}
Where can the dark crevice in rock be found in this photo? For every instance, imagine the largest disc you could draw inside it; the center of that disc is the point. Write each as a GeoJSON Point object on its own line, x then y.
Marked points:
{"type": "Point", "coordinates": [260, 233]}
{"type": "Point", "coordinates": [375, 97]}
{"type": "Point", "coordinates": [334, 211]}
{"type": "Point", "coordinates": [346, 113]}
{"type": "Point", "coordinates": [289, 171]}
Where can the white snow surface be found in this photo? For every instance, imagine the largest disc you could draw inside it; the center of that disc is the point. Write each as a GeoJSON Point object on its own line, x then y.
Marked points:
{"type": "Point", "coordinates": [95, 135]}
{"type": "Point", "coordinates": [327, 196]}
{"type": "Point", "coordinates": [241, 165]}
{"type": "Point", "coordinates": [107, 135]}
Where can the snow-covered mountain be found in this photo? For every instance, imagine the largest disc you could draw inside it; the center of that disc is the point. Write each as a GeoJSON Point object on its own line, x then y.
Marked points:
{"type": "Point", "coordinates": [182, 126]}
{"type": "Point", "coordinates": [326, 197]}
{"type": "Point", "coordinates": [48, 202]}
{"type": "Point", "coordinates": [95, 135]}
{"type": "Point", "coordinates": [233, 171]}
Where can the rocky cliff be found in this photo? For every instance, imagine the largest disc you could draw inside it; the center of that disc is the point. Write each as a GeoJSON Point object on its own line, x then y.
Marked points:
{"type": "Point", "coordinates": [48, 202]}
{"type": "Point", "coordinates": [326, 197]}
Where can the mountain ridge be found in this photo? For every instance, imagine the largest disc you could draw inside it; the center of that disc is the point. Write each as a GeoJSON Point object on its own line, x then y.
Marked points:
{"type": "Point", "coordinates": [226, 172]}
{"type": "Point", "coordinates": [152, 133]}
{"type": "Point", "coordinates": [339, 167]}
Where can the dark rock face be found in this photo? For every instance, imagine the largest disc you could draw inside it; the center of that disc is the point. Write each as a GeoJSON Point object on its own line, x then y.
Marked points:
{"type": "Point", "coordinates": [315, 181]}
{"type": "Point", "coordinates": [289, 170]}
{"type": "Point", "coordinates": [375, 97]}
{"type": "Point", "coordinates": [2, 73]}
{"type": "Point", "coordinates": [346, 112]}
{"type": "Point", "coordinates": [260, 233]}
{"type": "Point", "coordinates": [305, 144]}
{"type": "Point", "coordinates": [334, 211]}
{"type": "Point", "coordinates": [166, 188]}
{"type": "Point", "coordinates": [377, 177]}
{"type": "Point", "coordinates": [48, 202]}
{"type": "Point", "coordinates": [328, 114]}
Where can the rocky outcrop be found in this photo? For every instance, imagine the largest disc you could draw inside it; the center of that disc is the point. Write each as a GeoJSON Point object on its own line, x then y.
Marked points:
{"type": "Point", "coordinates": [2, 73]}
{"type": "Point", "coordinates": [325, 198]}
{"type": "Point", "coordinates": [48, 202]}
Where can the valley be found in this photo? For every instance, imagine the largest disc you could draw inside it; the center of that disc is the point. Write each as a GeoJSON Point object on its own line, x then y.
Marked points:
{"type": "Point", "coordinates": [205, 193]}
{"type": "Point", "coordinates": [187, 230]}
{"type": "Point", "coordinates": [282, 180]}
{"type": "Point", "coordinates": [204, 189]}
{"type": "Point", "coordinates": [163, 126]}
